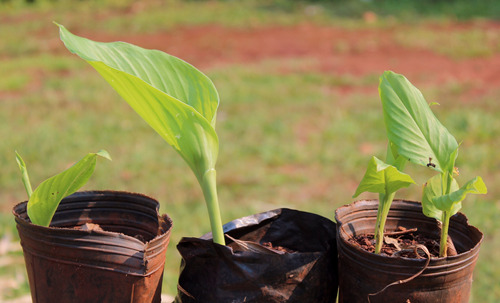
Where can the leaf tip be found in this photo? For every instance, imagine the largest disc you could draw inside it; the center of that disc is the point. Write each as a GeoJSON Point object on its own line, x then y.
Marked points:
{"type": "Point", "coordinates": [482, 189]}
{"type": "Point", "coordinates": [104, 153]}
{"type": "Point", "coordinates": [19, 160]}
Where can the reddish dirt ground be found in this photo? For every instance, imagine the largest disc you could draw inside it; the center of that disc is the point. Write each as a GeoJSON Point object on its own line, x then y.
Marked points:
{"type": "Point", "coordinates": [335, 50]}
{"type": "Point", "coordinates": [326, 49]}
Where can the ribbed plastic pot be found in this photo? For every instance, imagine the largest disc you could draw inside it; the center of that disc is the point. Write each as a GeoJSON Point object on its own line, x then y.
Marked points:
{"type": "Point", "coordinates": [213, 273]}
{"type": "Point", "coordinates": [362, 273]}
{"type": "Point", "coordinates": [123, 263]}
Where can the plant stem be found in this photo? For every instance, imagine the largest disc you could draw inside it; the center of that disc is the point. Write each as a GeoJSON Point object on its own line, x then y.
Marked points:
{"type": "Point", "coordinates": [385, 202]}
{"type": "Point", "coordinates": [445, 221]}
{"type": "Point", "coordinates": [209, 187]}
{"type": "Point", "coordinates": [443, 245]}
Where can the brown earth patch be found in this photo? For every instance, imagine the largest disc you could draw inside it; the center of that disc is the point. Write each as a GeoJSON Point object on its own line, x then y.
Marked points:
{"type": "Point", "coordinates": [328, 49]}
{"type": "Point", "coordinates": [357, 52]}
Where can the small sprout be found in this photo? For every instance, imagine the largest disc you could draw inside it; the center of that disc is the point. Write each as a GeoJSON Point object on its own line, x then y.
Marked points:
{"type": "Point", "coordinates": [43, 202]}
{"type": "Point", "coordinates": [385, 180]}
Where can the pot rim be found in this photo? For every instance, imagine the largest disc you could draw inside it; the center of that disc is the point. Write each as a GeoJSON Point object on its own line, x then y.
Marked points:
{"type": "Point", "coordinates": [17, 209]}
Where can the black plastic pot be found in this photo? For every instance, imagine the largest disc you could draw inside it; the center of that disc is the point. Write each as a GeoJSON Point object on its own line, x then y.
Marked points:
{"type": "Point", "coordinates": [215, 273]}
{"type": "Point", "coordinates": [123, 263]}
{"type": "Point", "coordinates": [362, 273]}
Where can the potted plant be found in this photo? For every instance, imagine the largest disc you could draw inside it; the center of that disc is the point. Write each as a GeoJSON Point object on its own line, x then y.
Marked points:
{"type": "Point", "coordinates": [414, 267]}
{"type": "Point", "coordinates": [90, 246]}
{"type": "Point", "coordinates": [179, 102]}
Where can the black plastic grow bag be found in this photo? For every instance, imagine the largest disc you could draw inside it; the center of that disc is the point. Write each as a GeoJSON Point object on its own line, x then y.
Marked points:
{"type": "Point", "coordinates": [307, 273]}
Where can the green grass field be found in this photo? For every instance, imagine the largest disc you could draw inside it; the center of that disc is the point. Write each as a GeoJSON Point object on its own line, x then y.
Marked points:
{"type": "Point", "coordinates": [291, 134]}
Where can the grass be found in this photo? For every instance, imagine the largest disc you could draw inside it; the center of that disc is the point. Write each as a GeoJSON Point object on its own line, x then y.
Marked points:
{"type": "Point", "coordinates": [458, 44]}
{"type": "Point", "coordinates": [290, 136]}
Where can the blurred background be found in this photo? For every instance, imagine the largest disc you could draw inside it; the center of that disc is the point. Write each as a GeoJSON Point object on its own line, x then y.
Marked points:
{"type": "Point", "coordinates": [299, 118]}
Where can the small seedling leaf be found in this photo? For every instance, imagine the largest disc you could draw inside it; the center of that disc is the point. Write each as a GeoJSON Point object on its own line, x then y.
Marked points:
{"type": "Point", "coordinates": [24, 175]}
{"type": "Point", "coordinates": [382, 178]}
{"type": "Point", "coordinates": [45, 199]}
{"type": "Point", "coordinates": [433, 188]}
{"type": "Point", "coordinates": [446, 202]}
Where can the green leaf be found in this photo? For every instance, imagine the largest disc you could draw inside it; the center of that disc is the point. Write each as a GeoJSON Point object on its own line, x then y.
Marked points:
{"type": "Point", "coordinates": [44, 201]}
{"type": "Point", "coordinates": [413, 127]}
{"type": "Point", "coordinates": [167, 73]}
{"type": "Point", "coordinates": [446, 202]}
{"type": "Point", "coordinates": [382, 178]}
{"type": "Point", "coordinates": [433, 188]}
{"type": "Point", "coordinates": [24, 173]}
{"type": "Point", "coordinates": [174, 98]}
{"type": "Point", "coordinates": [394, 158]}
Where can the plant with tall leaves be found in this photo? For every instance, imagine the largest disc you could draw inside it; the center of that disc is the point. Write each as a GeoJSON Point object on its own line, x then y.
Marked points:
{"type": "Point", "coordinates": [174, 98]}
{"type": "Point", "coordinates": [43, 202]}
{"type": "Point", "coordinates": [418, 136]}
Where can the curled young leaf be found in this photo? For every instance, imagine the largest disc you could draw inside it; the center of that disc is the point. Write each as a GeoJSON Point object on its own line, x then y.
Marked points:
{"type": "Point", "coordinates": [44, 201]}
{"type": "Point", "coordinates": [447, 202]}
{"type": "Point", "coordinates": [24, 173]}
{"type": "Point", "coordinates": [433, 188]}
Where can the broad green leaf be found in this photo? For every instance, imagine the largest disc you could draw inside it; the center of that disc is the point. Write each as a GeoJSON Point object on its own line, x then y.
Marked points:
{"type": "Point", "coordinates": [413, 127]}
{"type": "Point", "coordinates": [167, 73]}
{"type": "Point", "coordinates": [446, 202]}
{"type": "Point", "coordinates": [433, 188]}
{"type": "Point", "coordinates": [174, 98]}
{"type": "Point", "coordinates": [382, 178]}
{"type": "Point", "coordinates": [44, 201]}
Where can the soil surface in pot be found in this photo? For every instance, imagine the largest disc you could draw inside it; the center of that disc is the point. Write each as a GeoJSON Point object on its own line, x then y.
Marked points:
{"type": "Point", "coordinates": [400, 242]}
{"type": "Point", "coordinates": [96, 227]}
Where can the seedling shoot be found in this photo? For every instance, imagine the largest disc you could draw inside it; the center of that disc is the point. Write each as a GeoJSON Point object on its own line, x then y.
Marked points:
{"type": "Point", "coordinates": [43, 201]}
{"type": "Point", "coordinates": [178, 101]}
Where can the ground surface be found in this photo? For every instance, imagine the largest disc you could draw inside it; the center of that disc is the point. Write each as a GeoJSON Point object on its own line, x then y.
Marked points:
{"type": "Point", "coordinates": [357, 52]}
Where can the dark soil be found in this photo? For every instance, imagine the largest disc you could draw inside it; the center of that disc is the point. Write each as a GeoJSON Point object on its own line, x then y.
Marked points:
{"type": "Point", "coordinates": [97, 227]}
{"type": "Point", "coordinates": [89, 227]}
{"type": "Point", "coordinates": [405, 242]}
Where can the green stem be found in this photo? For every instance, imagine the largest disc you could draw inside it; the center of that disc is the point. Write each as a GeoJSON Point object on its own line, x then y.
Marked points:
{"type": "Point", "coordinates": [209, 187]}
{"type": "Point", "coordinates": [385, 202]}
{"type": "Point", "coordinates": [445, 221]}
{"type": "Point", "coordinates": [443, 245]}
